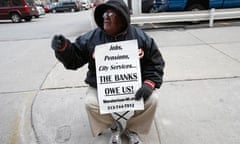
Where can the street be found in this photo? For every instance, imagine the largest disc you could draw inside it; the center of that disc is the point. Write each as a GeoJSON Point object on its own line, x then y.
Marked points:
{"type": "Point", "coordinates": [43, 103]}
{"type": "Point", "coordinates": [46, 26]}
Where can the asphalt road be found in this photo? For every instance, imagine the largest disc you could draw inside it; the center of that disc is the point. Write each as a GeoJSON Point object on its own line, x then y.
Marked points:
{"type": "Point", "coordinates": [69, 24]}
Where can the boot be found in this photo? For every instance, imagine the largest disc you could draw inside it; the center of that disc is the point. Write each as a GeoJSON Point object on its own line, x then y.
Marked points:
{"type": "Point", "coordinates": [133, 137]}
{"type": "Point", "coordinates": [116, 134]}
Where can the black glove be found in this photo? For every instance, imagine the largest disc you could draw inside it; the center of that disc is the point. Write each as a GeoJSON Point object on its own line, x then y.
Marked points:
{"type": "Point", "coordinates": [144, 92]}
{"type": "Point", "coordinates": [59, 43]}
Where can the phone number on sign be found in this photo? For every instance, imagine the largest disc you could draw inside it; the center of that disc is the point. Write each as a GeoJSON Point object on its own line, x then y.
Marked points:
{"type": "Point", "coordinates": [121, 106]}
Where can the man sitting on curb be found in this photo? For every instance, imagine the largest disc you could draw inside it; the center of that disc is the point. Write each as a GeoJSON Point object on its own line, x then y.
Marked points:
{"type": "Point", "coordinates": [113, 21]}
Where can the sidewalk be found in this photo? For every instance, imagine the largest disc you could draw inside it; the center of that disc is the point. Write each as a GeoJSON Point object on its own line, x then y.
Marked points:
{"type": "Point", "coordinates": [198, 102]}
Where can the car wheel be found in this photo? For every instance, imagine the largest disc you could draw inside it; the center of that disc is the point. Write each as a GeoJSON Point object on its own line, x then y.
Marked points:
{"type": "Point", "coordinates": [195, 7]}
{"type": "Point", "coordinates": [15, 17]}
{"type": "Point", "coordinates": [28, 19]}
{"type": "Point", "coordinates": [54, 11]}
{"type": "Point", "coordinates": [72, 10]}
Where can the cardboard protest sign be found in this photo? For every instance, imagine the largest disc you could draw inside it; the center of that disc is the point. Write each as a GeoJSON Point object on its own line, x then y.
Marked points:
{"type": "Point", "coordinates": [118, 76]}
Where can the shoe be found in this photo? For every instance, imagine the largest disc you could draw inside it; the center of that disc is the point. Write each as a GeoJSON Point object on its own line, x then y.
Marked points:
{"type": "Point", "coordinates": [116, 134]}
{"type": "Point", "coordinates": [115, 138]}
{"type": "Point", "coordinates": [133, 137]}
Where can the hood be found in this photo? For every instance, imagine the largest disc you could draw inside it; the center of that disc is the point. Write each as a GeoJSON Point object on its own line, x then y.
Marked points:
{"type": "Point", "coordinates": [118, 5]}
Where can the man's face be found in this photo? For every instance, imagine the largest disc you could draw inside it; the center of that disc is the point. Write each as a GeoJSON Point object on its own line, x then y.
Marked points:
{"type": "Point", "coordinates": [112, 22]}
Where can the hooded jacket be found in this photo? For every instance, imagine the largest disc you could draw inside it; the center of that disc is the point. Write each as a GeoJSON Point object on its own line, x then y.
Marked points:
{"type": "Point", "coordinates": [81, 51]}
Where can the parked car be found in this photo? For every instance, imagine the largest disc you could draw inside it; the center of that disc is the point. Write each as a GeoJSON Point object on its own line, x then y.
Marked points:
{"type": "Point", "coordinates": [36, 13]}
{"type": "Point", "coordinates": [85, 5]}
{"type": "Point", "coordinates": [147, 6]}
{"type": "Point", "coordinates": [193, 5]}
{"type": "Point", "coordinates": [40, 10]}
{"type": "Point", "coordinates": [47, 7]}
{"type": "Point", "coordinates": [97, 2]}
{"type": "Point", "coordinates": [16, 10]}
{"type": "Point", "coordinates": [66, 6]}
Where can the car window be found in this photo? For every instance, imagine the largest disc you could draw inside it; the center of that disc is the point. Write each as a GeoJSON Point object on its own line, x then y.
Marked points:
{"type": "Point", "coordinates": [68, 3]}
{"type": "Point", "coordinates": [64, 3]}
{"type": "Point", "coordinates": [59, 4]}
{"type": "Point", "coordinates": [30, 2]}
{"type": "Point", "coordinates": [16, 2]}
{"type": "Point", "coordinates": [4, 3]}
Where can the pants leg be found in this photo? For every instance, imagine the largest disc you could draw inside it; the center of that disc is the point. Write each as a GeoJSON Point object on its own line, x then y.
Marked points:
{"type": "Point", "coordinates": [98, 122]}
{"type": "Point", "coordinates": [142, 120]}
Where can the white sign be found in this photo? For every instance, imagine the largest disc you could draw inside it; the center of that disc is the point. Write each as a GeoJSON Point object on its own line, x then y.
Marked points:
{"type": "Point", "coordinates": [118, 76]}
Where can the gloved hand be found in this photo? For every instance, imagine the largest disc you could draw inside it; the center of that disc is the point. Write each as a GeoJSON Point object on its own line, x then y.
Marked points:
{"type": "Point", "coordinates": [144, 92]}
{"type": "Point", "coordinates": [59, 43]}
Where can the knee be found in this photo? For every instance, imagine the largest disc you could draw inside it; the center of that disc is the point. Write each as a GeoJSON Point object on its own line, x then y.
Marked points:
{"type": "Point", "coordinates": [152, 101]}
{"type": "Point", "coordinates": [91, 103]}
{"type": "Point", "coordinates": [91, 100]}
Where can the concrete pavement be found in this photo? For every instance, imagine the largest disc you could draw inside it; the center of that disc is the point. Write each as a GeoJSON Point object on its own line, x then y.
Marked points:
{"type": "Point", "coordinates": [198, 102]}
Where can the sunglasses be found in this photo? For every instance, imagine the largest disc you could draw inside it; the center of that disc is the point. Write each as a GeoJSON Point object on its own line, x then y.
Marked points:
{"type": "Point", "coordinates": [108, 14]}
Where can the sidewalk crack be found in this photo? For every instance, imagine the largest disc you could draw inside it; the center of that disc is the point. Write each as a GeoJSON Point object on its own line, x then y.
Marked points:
{"type": "Point", "coordinates": [45, 78]}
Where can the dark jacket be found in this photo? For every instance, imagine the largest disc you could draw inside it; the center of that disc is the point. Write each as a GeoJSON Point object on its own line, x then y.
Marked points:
{"type": "Point", "coordinates": [81, 52]}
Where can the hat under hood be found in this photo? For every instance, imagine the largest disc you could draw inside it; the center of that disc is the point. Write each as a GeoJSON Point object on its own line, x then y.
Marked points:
{"type": "Point", "coordinates": [118, 5]}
